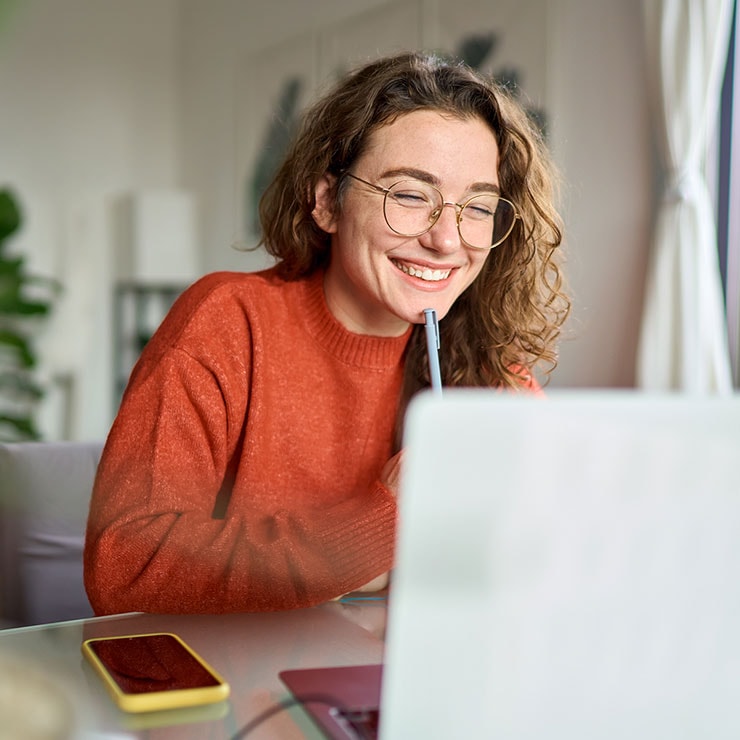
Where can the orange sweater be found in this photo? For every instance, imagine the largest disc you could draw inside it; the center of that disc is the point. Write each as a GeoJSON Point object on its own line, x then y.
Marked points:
{"type": "Point", "coordinates": [251, 380]}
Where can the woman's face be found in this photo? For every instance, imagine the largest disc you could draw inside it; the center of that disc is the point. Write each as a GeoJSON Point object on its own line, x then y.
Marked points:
{"type": "Point", "coordinates": [379, 282]}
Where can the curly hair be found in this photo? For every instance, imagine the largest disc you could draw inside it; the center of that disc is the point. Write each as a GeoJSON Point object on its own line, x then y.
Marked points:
{"type": "Point", "coordinates": [508, 320]}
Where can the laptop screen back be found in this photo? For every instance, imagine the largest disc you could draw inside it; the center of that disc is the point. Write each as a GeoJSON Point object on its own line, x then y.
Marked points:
{"type": "Point", "coordinates": [567, 567]}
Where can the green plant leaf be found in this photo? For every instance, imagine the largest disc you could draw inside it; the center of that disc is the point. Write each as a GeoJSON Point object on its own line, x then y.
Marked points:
{"type": "Point", "coordinates": [20, 347]}
{"type": "Point", "coordinates": [16, 306]}
{"type": "Point", "coordinates": [11, 267]}
{"type": "Point", "coordinates": [22, 298]}
{"type": "Point", "coordinates": [22, 428]}
{"type": "Point", "coordinates": [20, 387]}
{"type": "Point", "coordinates": [10, 216]}
{"type": "Point", "coordinates": [13, 286]}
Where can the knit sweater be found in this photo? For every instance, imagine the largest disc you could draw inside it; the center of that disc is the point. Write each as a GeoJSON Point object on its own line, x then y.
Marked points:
{"type": "Point", "coordinates": [241, 472]}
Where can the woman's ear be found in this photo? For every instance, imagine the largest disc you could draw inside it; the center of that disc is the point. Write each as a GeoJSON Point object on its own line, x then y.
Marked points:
{"type": "Point", "coordinates": [324, 213]}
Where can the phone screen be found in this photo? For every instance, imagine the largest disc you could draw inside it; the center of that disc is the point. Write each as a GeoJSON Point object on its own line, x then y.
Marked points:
{"type": "Point", "coordinates": [142, 664]}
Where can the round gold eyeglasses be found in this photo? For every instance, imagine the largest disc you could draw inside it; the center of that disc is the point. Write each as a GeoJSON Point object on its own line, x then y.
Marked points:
{"type": "Point", "coordinates": [412, 207]}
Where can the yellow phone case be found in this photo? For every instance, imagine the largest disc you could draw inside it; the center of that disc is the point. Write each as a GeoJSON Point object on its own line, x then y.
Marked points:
{"type": "Point", "coordinates": [152, 701]}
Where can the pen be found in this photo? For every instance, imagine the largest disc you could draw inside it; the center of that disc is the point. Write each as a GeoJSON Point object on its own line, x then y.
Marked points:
{"type": "Point", "coordinates": [431, 328]}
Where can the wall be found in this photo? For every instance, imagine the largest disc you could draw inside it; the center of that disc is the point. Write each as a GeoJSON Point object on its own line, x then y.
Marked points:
{"type": "Point", "coordinates": [224, 43]}
{"type": "Point", "coordinates": [603, 144]}
{"type": "Point", "coordinates": [100, 98]}
{"type": "Point", "coordinates": [600, 133]}
{"type": "Point", "coordinates": [89, 95]}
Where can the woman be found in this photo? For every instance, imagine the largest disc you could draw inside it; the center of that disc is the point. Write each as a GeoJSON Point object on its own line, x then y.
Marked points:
{"type": "Point", "coordinates": [254, 461]}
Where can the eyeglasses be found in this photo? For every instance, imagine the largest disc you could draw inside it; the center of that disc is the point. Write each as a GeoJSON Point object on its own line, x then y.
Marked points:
{"type": "Point", "coordinates": [412, 207]}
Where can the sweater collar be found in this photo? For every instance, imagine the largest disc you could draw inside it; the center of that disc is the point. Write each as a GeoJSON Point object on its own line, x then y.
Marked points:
{"type": "Point", "coordinates": [354, 349]}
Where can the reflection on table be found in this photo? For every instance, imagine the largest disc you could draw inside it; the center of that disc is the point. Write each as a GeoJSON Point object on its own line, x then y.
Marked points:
{"type": "Point", "coordinates": [45, 668]}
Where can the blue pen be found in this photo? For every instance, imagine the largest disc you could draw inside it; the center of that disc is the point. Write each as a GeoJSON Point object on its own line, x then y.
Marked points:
{"type": "Point", "coordinates": [431, 328]}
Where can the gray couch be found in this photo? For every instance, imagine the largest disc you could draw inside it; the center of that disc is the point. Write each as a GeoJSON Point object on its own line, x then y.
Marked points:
{"type": "Point", "coordinates": [44, 497]}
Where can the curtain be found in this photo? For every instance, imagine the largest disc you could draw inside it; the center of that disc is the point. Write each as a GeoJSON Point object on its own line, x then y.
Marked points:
{"type": "Point", "coordinates": [683, 339]}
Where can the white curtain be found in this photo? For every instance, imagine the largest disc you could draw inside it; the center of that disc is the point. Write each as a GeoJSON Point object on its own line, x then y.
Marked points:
{"type": "Point", "coordinates": [683, 342]}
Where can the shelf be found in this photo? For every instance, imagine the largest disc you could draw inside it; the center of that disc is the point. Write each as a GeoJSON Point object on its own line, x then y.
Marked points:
{"type": "Point", "coordinates": [138, 309]}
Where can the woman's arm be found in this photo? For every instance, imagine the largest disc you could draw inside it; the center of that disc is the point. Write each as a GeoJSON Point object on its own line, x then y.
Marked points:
{"type": "Point", "coordinates": [153, 542]}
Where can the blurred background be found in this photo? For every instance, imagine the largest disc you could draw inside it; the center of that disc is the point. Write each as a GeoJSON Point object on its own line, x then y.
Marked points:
{"type": "Point", "coordinates": [135, 137]}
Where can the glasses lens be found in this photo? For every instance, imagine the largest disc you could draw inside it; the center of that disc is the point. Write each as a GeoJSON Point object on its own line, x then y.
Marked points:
{"type": "Point", "coordinates": [411, 207]}
{"type": "Point", "coordinates": [486, 220]}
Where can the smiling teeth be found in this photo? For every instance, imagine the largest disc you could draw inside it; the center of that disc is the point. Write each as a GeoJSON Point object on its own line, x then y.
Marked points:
{"type": "Point", "coordinates": [425, 274]}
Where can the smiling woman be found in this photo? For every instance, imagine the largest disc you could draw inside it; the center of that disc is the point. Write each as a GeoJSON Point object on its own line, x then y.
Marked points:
{"type": "Point", "coordinates": [254, 462]}
{"type": "Point", "coordinates": [427, 119]}
{"type": "Point", "coordinates": [379, 281]}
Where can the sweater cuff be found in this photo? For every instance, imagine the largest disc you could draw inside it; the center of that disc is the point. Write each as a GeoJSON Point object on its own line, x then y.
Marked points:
{"type": "Point", "coordinates": [360, 540]}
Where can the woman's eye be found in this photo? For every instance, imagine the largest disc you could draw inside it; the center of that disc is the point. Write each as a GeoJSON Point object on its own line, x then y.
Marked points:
{"type": "Point", "coordinates": [411, 197]}
{"type": "Point", "coordinates": [480, 211]}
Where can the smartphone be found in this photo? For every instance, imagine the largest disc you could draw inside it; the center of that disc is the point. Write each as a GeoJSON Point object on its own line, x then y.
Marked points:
{"type": "Point", "coordinates": [151, 672]}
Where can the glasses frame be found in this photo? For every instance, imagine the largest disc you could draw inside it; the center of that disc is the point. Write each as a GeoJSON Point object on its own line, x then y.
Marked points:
{"type": "Point", "coordinates": [459, 207]}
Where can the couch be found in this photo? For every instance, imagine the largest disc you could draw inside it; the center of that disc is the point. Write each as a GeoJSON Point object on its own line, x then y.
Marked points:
{"type": "Point", "coordinates": [45, 492]}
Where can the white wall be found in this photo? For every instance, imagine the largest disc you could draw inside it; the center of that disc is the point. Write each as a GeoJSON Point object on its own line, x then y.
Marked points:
{"type": "Point", "coordinates": [88, 94]}
{"type": "Point", "coordinates": [602, 142]}
{"type": "Point", "coordinates": [101, 97]}
{"type": "Point", "coordinates": [222, 45]}
{"type": "Point", "coordinates": [600, 134]}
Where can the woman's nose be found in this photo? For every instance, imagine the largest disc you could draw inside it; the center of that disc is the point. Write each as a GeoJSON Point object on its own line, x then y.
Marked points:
{"type": "Point", "coordinates": [444, 236]}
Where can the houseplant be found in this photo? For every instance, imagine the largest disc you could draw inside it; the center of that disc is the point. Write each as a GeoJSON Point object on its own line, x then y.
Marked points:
{"type": "Point", "coordinates": [24, 300]}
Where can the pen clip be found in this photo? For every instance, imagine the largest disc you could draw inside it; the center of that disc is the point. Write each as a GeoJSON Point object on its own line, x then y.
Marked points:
{"type": "Point", "coordinates": [431, 329]}
{"type": "Point", "coordinates": [431, 320]}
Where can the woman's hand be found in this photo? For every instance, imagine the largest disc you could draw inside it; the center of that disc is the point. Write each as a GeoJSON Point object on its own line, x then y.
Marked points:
{"type": "Point", "coordinates": [377, 584]}
{"type": "Point", "coordinates": [390, 475]}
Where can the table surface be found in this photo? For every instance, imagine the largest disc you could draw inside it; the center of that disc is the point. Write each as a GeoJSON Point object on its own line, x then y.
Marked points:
{"type": "Point", "coordinates": [249, 650]}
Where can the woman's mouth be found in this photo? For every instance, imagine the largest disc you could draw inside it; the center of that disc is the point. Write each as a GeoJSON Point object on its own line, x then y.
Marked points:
{"type": "Point", "coordinates": [423, 273]}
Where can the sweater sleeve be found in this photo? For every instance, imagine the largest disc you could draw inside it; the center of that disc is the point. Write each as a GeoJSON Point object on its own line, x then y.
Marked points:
{"type": "Point", "coordinates": [153, 541]}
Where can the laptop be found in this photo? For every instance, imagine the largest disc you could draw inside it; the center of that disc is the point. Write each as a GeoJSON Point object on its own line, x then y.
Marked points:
{"type": "Point", "coordinates": [566, 568]}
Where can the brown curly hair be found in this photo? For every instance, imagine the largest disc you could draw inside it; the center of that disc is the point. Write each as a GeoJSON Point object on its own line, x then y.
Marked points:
{"type": "Point", "coordinates": [507, 322]}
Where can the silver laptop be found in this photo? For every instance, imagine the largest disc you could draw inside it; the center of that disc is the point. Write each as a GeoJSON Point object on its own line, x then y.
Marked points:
{"type": "Point", "coordinates": [567, 568]}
